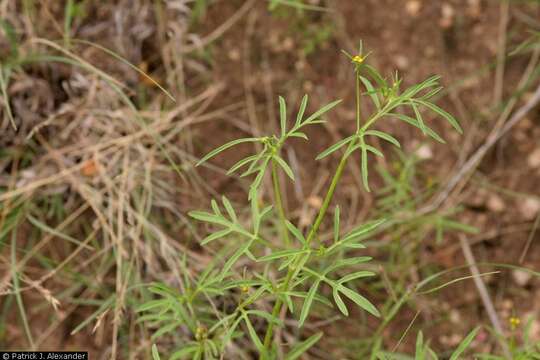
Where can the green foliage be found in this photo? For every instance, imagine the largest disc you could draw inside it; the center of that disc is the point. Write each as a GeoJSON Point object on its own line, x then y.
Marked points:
{"type": "Point", "coordinates": [299, 5]}
{"type": "Point", "coordinates": [276, 271]}
{"type": "Point", "coordinates": [304, 23]}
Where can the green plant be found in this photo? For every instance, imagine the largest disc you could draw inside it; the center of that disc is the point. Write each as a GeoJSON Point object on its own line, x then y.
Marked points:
{"type": "Point", "coordinates": [424, 352]}
{"type": "Point", "coordinates": [299, 5]}
{"type": "Point", "coordinates": [300, 267]}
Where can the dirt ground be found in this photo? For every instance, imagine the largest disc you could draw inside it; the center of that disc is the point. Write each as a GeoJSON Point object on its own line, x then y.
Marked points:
{"type": "Point", "coordinates": [250, 56]}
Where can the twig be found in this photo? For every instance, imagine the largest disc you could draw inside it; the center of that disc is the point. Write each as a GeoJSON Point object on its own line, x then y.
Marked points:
{"type": "Point", "coordinates": [220, 30]}
{"type": "Point", "coordinates": [501, 54]}
{"type": "Point", "coordinates": [481, 152]}
{"type": "Point", "coordinates": [529, 239]}
{"type": "Point", "coordinates": [482, 290]}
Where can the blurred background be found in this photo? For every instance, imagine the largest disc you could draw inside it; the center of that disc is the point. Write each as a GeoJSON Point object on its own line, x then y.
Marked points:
{"type": "Point", "coordinates": [107, 105]}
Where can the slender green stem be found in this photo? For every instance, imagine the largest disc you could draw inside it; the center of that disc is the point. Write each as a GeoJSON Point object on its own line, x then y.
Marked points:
{"type": "Point", "coordinates": [329, 194]}
{"type": "Point", "coordinates": [358, 103]}
{"type": "Point", "coordinates": [311, 235]}
{"type": "Point", "coordinates": [279, 203]}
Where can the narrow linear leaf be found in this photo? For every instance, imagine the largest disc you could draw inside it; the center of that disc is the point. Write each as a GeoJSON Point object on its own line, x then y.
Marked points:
{"type": "Point", "coordinates": [411, 121]}
{"type": "Point", "coordinates": [229, 208]}
{"type": "Point", "coordinates": [267, 316]}
{"type": "Point", "coordinates": [299, 134]}
{"type": "Point", "coordinates": [413, 90]}
{"type": "Point", "coordinates": [44, 227]}
{"type": "Point", "coordinates": [336, 224]}
{"type": "Point", "coordinates": [302, 347]}
{"type": "Point", "coordinates": [234, 258]}
{"type": "Point", "coordinates": [294, 230]}
{"type": "Point", "coordinates": [281, 254]}
{"type": "Point", "coordinates": [284, 166]}
{"type": "Point", "coordinates": [355, 246]}
{"type": "Point", "coordinates": [339, 302]}
{"type": "Point", "coordinates": [371, 71]}
{"type": "Point", "coordinates": [155, 352]}
{"type": "Point", "coordinates": [207, 217]}
{"type": "Point", "coordinates": [384, 136]}
{"type": "Point", "coordinates": [215, 207]}
{"type": "Point", "coordinates": [307, 303]}
{"type": "Point", "coordinates": [364, 168]}
{"type": "Point", "coordinates": [359, 300]}
{"type": "Point", "coordinates": [289, 302]}
{"type": "Point", "coordinates": [431, 93]}
{"type": "Point", "coordinates": [321, 111]}
{"type": "Point", "coordinates": [335, 147]}
{"type": "Point", "coordinates": [186, 350]}
{"type": "Point", "coordinates": [447, 116]}
{"type": "Point", "coordinates": [301, 111]}
{"type": "Point", "coordinates": [356, 275]}
{"type": "Point", "coordinates": [253, 334]}
{"type": "Point", "coordinates": [217, 235]}
{"type": "Point", "coordinates": [347, 263]}
{"type": "Point", "coordinates": [420, 349]}
{"type": "Point", "coordinates": [371, 91]}
{"type": "Point", "coordinates": [255, 166]}
{"type": "Point", "coordinates": [242, 163]}
{"type": "Point", "coordinates": [418, 115]}
{"type": "Point", "coordinates": [223, 147]}
{"type": "Point", "coordinates": [464, 344]}
{"type": "Point", "coordinates": [373, 150]}
{"type": "Point", "coordinates": [363, 229]}
{"type": "Point", "coordinates": [283, 115]}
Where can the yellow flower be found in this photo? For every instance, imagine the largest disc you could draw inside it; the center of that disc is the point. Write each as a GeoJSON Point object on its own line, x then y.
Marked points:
{"type": "Point", "coordinates": [514, 322]}
{"type": "Point", "coordinates": [358, 59]}
{"type": "Point", "coordinates": [200, 333]}
{"type": "Point", "coordinates": [244, 289]}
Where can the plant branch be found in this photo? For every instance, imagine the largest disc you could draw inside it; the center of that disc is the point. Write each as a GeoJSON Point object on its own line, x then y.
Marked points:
{"type": "Point", "coordinates": [313, 231]}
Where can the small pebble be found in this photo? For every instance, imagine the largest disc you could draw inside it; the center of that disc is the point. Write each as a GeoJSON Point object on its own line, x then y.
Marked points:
{"type": "Point", "coordinates": [234, 54]}
{"type": "Point", "coordinates": [447, 16]}
{"type": "Point", "coordinates": [534, 158]}
{"type": "Point", "coordinates": [315, 202]}
{"type": "Point", "coordinates": [495, 203]}
{"type": "Point", "coordinates": [401, 61]}
{"type": "Point", "coordinates": [413, 7]}
{"type": "Point", "coordinates": [521, 277]}
{"type": "Point", "coordinates": [529, 208]}
{"type": "Point", "coordinates": [424, 152]}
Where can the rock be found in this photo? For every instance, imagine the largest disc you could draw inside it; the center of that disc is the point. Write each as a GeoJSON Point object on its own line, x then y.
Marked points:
{"type": "Point", "coordinates": [288, 44]}
{"type": "Point", "coordinates": [495, 203]}
{"type": "Point", "coordinates": [413, 7]}
{"type": "Point", "coordinates": [234, 54]}
{"type": "Point", "coordinates": [424, 152]}
{"type": "Point", "coordinates": [315, 201]}
{"type": "Point", "coordinates": [455, 316]}
{"type": "Point", "coordinates": [474, 8]}
{"type": "Point", "coordinates": [521, 277]}
{"type": "Point", "coordinates": [529, 208]}
{"type": "Point", "coordinates": [533, 160]}
{"type": "Point", "coordinates": [447, 16]}
{"type": "Point", "coordinates": [401, 61]}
